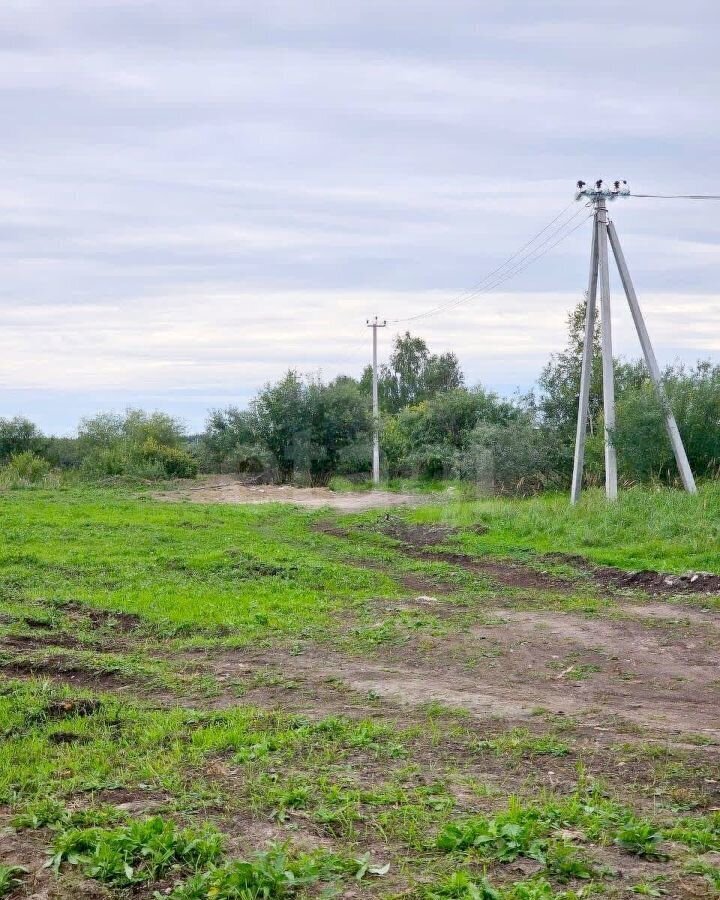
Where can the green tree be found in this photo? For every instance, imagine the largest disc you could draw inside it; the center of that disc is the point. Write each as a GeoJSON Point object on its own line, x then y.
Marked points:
{"type": "Point", "coordinates": [413, 374]}
{"type": "Point", "coordinates": [307, 424]}
{"type": "Point", "coordinates": [148, 445]}
{"type": "Point", "coordinates": [20, 435]}
{"type": "Point", "coordinates": [559, 381]}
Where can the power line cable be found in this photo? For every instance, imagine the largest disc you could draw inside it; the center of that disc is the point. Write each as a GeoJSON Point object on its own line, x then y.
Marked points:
{"type": "Point", "coordinates": [678, 196]}
{"type": "Point", "coordinates": [540, 251]}
{"type": "Point", "coordinates": [527, 259]}
{"type": "Point", "coordinates": [478, 285]}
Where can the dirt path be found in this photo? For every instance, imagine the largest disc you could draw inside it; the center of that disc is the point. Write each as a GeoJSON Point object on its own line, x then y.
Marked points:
{"type": "Point", "coordinates": [663, 677]}
{"type": "Point", "coordinates": [226, 489]}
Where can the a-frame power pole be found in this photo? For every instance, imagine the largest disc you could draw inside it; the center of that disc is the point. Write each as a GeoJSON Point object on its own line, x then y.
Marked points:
{"type": "Point", "coordinates": [604, 231]}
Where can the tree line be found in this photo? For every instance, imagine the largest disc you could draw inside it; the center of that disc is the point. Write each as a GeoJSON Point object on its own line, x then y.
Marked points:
{"type": "Point", "coordinates": [433, 426]}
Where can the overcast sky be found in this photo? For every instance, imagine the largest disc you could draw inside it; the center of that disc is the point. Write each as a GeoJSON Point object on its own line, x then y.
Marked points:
{"type": "Point", "coordinates": [197, 196]}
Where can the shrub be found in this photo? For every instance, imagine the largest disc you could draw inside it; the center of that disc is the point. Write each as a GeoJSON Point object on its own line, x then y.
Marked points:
{"type": "Point", "coordinates": [24, 470]}
{"type": "Point", "coordinates": [28, 466]}
{"type": "Point", "coordinates": [105, 462]}
{"type": "Point", "coordinates": [175, 463]}
{"type": "Point", "coordinates": [515, 457]}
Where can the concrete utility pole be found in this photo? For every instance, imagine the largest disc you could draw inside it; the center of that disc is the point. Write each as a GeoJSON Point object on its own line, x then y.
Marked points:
{"type": "Point", "coordinates": [602, 230]}
{"type": "Point", "coordinates": [375, 324]}
{"type": "Point", "coordinates": [608, 372]}
{"type": "Point", "coordinates": [586, 373]}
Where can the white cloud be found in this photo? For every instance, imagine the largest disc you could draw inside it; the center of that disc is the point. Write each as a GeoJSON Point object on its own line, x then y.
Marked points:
{"type": "Point", "coordinates": [194, 197]}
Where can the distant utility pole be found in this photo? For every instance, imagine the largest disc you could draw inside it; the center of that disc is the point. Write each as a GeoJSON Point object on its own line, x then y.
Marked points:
{"type": "Point", "coordinates": [602, 230]}
{"type": "Point", "coordinates": [375, 324]}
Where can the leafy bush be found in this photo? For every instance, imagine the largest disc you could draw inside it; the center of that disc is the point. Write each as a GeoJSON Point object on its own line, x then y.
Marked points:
{"type": "Point", "coordinates": [105, 462]}
{"type": "Point", "coordinates": [135, 444]}
{"type": "Point", "coordinates": [514, 457]}
{"type": "Point", "coordinates": [28, 466]}
{"type": "Point", "coordinates": [174, 462]}
{"type": "Point", "coordinates": [131, 429]}
{"type": "Point", "coordinates": [24, 470]}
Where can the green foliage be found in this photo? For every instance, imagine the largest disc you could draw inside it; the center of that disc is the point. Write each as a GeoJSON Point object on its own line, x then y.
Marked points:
{"type": "Point", "coordinates": [413, 374]}
{"type": "Point", "coordinates": [133, 427]}
{"type": "Point", "coordinates": [136, 444]}
{"type": "Point", "coordinates": [641, 838]}
{"type": "Point", "coordinates": [271, 875]}
{"type": "Point", "coordinates": [709, 871]}
{"type": "Point", "coordinates": [19, 435]}
{"type": "Point", "coordinates": [503, 837]}
{"type": "Point", "coordinates": [231, 443]}
{"type": "Point", "coordinates": [520, 742]}
{"type": "Point", "coordinates": [10, 878]}
{"type": "Point", "coordinates": [515, 457]}
{"type": "Point", "coordinates": [462, 885]}
{"type": "Point", "coordinates": [644, 451]}
{"type": "Point", "coordinates": [434, 438]}
{"type": "Point", "coordinates": [140, 852]}
{"type": "Point", "coordinates": [24, 469]}
{"type": "Point", "coordinates": [307, 425]}
{"type": "Point", "coordinates": [43, 813]}
{"type": "Point", "coordinates": [175, 463]}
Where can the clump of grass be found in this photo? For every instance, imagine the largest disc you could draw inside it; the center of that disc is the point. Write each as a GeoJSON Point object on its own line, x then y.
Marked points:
{"type": "Point", "coordinates": [520, 742]}
{"type": "Point", "coordinates": [274, 874]}
{"type": "Point", "coordinates": [137, 853]}
{"type": "Point", "coordinates": [641, 838]}
{"type": "Point", "coordinates": [48, 812]}
{"type": "Point", "coordinates": [462, 885]}
{"type": "Point", "coordinates": [709, 871]}
{"type": "Point", "coordinates": [465, 885]}
{"type": "Point", "coordinates": [10, 878]}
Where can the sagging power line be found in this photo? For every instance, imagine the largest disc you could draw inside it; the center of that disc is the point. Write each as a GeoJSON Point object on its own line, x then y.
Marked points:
{"type": "Point", "coordinates": [524, 257]}
{"type": "Point", "coordinates": [603, 231]}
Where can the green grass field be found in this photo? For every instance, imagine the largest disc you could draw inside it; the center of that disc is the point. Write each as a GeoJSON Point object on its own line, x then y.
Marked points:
{"type": "Point", "coordinates": [215, 701]}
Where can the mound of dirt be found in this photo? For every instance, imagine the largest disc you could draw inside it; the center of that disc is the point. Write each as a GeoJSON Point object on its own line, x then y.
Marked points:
{"type": "Point", "coordinates": [645, 579]}
{"type": "Point", "coordinates": [662, 582]}
{"type": "Point", "coordinates": [226, 489]}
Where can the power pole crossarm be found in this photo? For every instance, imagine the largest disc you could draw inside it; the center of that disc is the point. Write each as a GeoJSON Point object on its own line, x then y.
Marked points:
{"type": "Point", "coordinates": [375, 324]}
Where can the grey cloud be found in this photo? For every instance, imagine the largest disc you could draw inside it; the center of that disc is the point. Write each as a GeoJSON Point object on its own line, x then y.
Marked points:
{"type": "Point", "coordinates": [167, 160]}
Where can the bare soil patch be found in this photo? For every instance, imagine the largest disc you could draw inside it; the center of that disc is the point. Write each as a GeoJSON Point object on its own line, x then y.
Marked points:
{"type": "Point", "coordinates": [226, 489]}
{"type": "Point", "coordinates": [662, 678]}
